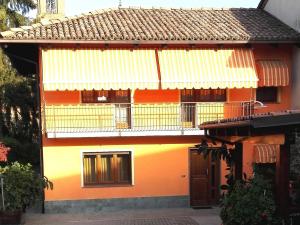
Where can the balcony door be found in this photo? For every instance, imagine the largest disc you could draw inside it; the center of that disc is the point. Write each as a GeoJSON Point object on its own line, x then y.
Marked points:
{"type": "Point", "coordinates": [204, 180]}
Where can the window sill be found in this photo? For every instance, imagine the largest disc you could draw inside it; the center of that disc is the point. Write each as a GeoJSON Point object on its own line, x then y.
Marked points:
{"type": "Point", "coordinates": [107, 185]}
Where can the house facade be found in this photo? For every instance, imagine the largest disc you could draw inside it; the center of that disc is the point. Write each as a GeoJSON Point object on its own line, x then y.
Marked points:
{"type": "Point", "coordinates": [124, 91]}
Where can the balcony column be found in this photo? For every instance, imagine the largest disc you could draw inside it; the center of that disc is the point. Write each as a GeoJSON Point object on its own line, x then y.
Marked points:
{"type": "Point", "coordinates": [131, 108]}
{"type": "Point", "coordinates": [282, 177]}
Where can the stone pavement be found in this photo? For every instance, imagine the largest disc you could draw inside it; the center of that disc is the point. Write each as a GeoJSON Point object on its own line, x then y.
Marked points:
{"type": "Point", "coordinates": [176, 216]}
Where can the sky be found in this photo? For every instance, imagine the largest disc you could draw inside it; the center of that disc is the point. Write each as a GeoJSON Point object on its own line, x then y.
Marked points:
{"type": "Point", "coordinates": [76, 7]}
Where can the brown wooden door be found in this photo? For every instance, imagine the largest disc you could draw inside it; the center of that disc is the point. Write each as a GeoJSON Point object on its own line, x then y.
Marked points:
{"type": "Point", "coordinates": [204, 180]}
{"type": "Point", "coordinates": [198, 179]}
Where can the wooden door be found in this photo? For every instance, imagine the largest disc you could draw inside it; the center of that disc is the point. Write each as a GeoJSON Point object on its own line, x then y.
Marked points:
{"type": "Point", "coordinates": [204, 180]}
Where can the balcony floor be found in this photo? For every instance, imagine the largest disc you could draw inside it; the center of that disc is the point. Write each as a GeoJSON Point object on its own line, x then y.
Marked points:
{"type": "Point", "coordinates": [124, 133]}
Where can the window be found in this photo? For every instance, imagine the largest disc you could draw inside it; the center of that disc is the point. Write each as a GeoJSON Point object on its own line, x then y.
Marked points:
{"type": "Point", "coordinates": [105, 96]}
{"type": "Point", "coordinates": [203, 95]}
{"type": "Point", "coordinates": [51, 6]}
{"type": "Point", "coordinates": [267, 94]}
{"type": "Point", "coordinates": [189, 98]}
{"type": "Point", "coordinates": [106, 168]}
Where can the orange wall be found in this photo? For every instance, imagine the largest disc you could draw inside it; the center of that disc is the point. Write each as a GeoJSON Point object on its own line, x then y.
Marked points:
{"type": "Point", "coordinates": [240, 94]}
{"type": "Point", "coordinates": [61, 97]}
{"type": "Point", "coordinates": [159, 170]}
{"type": "Point", "coordinates": [156, 96]}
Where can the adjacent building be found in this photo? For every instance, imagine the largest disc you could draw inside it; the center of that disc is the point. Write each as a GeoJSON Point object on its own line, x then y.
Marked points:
{"type": "Point", "coordinates": [288, 12]}
{"type": "Point", "coordinates": [123, 93]}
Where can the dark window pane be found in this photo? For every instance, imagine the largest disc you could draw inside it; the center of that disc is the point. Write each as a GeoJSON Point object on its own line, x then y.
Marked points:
{"type": "Point", "coordinates": [121, 96]}
{"type": "Point", "coordinates": [267, 94]}
{"type": "Point", "coordinates": [203, 95]}
{"type": "Point", "coordinates": [187, 95]}
{"type": "Point", "coordinates": [105, 168]}
{"type": "Point", "coordinates": [89, 169]}
{"type": "Point", "coordinates": [123, 167]}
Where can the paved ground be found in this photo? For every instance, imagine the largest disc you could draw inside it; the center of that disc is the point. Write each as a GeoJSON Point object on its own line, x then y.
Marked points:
{"type": "Point", "coordinates": [131, 217]}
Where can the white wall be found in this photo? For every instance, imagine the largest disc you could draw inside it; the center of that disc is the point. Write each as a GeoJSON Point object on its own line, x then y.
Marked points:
{"type": "Point", "coordinates": [288, 11]}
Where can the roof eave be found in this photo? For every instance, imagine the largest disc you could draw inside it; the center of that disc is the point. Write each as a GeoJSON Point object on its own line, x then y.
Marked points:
{"type": "Point", "coordinates": [244, 123]}
{"type": "Point", "coordinates": [262, 4]}
{"type": "Point", "coordinates": [146, 42]}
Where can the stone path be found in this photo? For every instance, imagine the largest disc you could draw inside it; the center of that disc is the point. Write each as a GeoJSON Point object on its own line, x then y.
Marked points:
{"type": "Point", "coordinates": [131, 217]}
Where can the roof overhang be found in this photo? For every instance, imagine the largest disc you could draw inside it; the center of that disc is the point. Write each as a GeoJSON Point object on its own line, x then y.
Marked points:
{"type": "Point", "coordinates": [258, 124]}
{"type": "Point", "coordinates": [143, 42]}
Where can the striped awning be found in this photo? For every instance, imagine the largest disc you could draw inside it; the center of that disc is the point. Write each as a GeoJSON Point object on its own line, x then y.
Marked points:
{"type": "Point", "coordinates": [272, 73]}
{"type": "Point", "coordinates": [87, 69]}
{"type": "Point", "coordinates": [207, 68]}
{"type": "Point", "coordinates": [265, 153]}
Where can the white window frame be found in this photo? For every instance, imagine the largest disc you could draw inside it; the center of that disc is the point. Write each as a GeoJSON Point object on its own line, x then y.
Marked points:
{"type": "Point", "coordinates": [106, 151]}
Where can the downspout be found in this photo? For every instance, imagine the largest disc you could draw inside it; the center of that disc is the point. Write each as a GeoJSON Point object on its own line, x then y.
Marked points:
{"type": "Point", "coordinates": [39, 99]}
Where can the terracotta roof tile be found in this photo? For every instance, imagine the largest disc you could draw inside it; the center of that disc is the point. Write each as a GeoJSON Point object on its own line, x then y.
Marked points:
{"type": "Point", "coordinates": [135, 24]}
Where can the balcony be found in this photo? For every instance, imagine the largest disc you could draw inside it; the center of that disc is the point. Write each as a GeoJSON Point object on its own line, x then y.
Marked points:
{"type": "Point", "coordinates": [109, 120]}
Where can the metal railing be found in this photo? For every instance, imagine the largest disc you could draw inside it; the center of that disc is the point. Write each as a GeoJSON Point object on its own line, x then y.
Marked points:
{"type": "Point", "coordinates": [138, 117]}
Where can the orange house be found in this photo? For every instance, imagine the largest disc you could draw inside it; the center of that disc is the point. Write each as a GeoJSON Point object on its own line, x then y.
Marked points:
{"type": "Point", "coordinates": [124, 91]}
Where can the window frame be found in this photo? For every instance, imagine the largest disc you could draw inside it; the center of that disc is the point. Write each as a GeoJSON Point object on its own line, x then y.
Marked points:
{"type": "Point", "coordinates": [112, 152]}
{"type": "Point", "coordinates": [278, 91]}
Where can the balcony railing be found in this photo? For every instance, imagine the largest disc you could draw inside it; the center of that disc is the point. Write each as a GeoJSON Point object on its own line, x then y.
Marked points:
{"type": "Point", "coordinates": [89, 118]}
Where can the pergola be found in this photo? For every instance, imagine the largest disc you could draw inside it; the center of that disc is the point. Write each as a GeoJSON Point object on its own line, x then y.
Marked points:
{"type": "Point", "coordinates": [236, 130]}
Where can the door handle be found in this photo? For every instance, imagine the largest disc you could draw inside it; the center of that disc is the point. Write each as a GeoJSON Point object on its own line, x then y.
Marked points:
{"type": "Point", "coordinates": [207, 172]}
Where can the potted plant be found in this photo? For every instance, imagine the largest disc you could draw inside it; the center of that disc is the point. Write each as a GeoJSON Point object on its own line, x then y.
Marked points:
{"type": "Point", "coordinates": [20, 187]}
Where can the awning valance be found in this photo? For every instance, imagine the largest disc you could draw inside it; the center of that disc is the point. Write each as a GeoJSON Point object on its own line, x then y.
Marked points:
{"type": "Point", "coordinates": [265, 153]}
{"type": "Point", "coordinates": [87, 69]}
{"type": "Point", "coordinates": [207, 68]}
{"type": "Point", "coordinates": [272, 73]}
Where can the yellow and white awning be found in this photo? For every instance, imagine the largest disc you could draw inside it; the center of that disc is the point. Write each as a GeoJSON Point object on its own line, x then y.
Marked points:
{"type": "Point", "coordinates": [207, 68]}
{"type": "Point", "coordinates": [273, 73]}
{"type": "Point", "coordinates": [265, 153]}
{"type": "Point", "coordinates": [87, 69]}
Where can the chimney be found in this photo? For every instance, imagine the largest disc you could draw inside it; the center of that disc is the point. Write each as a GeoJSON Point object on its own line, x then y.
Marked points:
{"type": "Point", "coordinates": [50, 9]}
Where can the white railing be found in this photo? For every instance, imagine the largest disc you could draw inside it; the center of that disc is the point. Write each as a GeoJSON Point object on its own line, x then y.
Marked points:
{"type": "Point", "coordinates": [138, 117]}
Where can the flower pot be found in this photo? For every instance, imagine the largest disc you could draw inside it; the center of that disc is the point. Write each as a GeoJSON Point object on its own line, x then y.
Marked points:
{"type": "Point", "coordinates": [10, 218]}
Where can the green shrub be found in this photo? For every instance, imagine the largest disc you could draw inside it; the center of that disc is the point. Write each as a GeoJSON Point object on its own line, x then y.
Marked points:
{"type": "Point", "coordinates": [22, 186]}
{"type": "Point", "coordinates": [249, 202]}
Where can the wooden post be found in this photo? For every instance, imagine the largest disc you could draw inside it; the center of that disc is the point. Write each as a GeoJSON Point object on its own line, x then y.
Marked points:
{"type": "Point", "coordinates": [282, 178]}
{"type": "Point", "coordinates": [238, 161]}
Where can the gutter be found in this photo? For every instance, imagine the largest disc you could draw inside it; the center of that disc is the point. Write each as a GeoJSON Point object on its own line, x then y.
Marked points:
{"type": "Point", "coordinates": [243, 123]}
{"type": "Point", "coordinates": [143, 42]}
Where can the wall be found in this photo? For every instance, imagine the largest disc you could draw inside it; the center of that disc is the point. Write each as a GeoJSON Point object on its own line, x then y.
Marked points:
{"type": "Point", "coordinates": [285, 10]}
{"type": "Point", "coordinates": [288, 12]}
{"type": "Point", "coordinates": [159, 170]}
{"type": "Point", "coordinates": [296, 78]}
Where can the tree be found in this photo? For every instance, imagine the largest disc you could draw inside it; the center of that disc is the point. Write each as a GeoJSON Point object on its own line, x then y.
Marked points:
{"type": "Point", "coordinates": [12, 13]}
{"type": "Point", "coordinates": [18, 102]}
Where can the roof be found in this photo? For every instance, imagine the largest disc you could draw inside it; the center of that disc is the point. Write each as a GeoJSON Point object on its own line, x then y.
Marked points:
{"type": "Point", "coordinates": [262, 4]}
{"type": "Point", "coordinates": [159, 25]}
{"type": "Point", "coordinates": [270, 119]}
